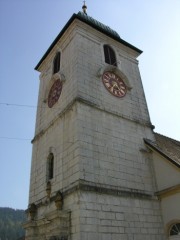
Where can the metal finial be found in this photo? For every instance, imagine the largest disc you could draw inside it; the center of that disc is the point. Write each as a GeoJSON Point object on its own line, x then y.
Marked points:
{"type": "Point", "coordinates": [84, 8]}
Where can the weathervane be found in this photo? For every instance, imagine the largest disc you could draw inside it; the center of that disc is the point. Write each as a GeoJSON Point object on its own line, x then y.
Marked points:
{"type": "Point", "coordinates": [84, 7]}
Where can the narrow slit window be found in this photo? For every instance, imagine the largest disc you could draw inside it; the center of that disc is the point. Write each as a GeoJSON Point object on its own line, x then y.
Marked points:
{"type": "Point", "coordinates": [50, 166]}
{"type": "Point", "coordinates": [109, 55]}
{"type": "Point", "coordinates": [56, 63]}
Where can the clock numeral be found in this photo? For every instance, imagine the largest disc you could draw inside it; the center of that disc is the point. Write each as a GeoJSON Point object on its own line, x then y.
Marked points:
{"type": "Point", "coordinates": [113, 76]}
{"type": "Point", "coordinates": [115, 92]}
{"type": "Point", "coordinates": [108, 84]}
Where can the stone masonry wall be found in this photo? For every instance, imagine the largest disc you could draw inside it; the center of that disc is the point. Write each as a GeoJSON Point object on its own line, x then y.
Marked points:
{"type": "Point", "coordinates": [110, 150]}
{"type": "Point", "coordinates": [105, 217]}
{"type": "Point", "coordinates": [90, 87]}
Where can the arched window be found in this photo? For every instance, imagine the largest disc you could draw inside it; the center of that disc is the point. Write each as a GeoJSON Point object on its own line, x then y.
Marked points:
{"type": "Point", "coordinates": [175, 231]}
{"type": "Point", "coordinates": [50, 166]}
{"type": "Point", "coordinates": [56, 63]}
{"type": "Point", "coordinates": [109, 55]}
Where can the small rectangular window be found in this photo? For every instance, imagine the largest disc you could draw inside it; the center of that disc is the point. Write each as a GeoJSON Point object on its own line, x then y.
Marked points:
{"type": "Point", "coordinates": [56, 63]}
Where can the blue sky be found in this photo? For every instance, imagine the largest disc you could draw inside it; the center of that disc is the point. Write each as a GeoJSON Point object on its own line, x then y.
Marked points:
{"type": "Point", "coordinates": [28, 27]}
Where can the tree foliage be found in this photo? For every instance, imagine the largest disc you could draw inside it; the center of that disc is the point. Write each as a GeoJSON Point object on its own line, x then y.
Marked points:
{"type": "Point", "coordinates": [11, 223]}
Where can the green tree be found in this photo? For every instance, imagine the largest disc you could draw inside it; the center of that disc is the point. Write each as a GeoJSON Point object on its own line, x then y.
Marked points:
{"type": "Point", "coordinates": [11, 223]}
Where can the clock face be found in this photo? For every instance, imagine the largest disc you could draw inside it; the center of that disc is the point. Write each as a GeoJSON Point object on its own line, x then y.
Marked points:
{"type": "Point", "coordinates": [54, 93]}
{"type": "Point", "coordinates": [114, 84]}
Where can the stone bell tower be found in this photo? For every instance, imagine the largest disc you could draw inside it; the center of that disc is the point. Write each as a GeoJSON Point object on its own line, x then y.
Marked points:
{"type": "Point", "coordinates": [91, 175]}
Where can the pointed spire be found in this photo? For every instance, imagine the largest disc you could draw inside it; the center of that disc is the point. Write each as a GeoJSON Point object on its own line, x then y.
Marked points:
{"type": "Point", "coordinates": [84, 8]}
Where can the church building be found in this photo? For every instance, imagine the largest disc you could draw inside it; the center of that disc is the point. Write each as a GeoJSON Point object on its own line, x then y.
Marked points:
{"type": "Point", "coordinates": [96, 160]}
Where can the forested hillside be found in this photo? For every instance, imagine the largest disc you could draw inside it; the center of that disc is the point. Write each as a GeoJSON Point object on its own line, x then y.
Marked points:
{"type": "Point", "coordinates": [11, 223]}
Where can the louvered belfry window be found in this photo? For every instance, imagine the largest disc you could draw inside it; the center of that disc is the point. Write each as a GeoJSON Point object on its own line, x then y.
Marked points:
{"type": "Point", "coordinates": [109, 55]}
{"type": "Point", "coordinates": [56, 63]}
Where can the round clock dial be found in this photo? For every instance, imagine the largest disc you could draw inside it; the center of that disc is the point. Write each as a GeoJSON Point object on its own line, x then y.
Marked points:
{"type": "Point", "coordinates": [114, 84]}
{"type": "Point", "coordinates": [54, 93]}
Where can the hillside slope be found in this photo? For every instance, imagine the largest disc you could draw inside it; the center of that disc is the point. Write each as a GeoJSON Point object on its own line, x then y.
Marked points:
{"type": "Point", "coordinates": [11, 223]}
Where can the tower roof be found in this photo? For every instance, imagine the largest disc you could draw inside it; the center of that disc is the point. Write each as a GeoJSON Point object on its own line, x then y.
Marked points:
{"type": "Point", "coordinates": [93, 23]}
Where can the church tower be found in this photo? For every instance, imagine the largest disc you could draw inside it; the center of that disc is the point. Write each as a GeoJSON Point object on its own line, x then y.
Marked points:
{"type": "Point", "coordinates": [91, 175]}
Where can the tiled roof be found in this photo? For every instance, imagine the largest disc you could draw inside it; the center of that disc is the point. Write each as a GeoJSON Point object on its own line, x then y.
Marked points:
{"type": "Point", "coordinates": [96, 24]}
{"type": "Point", "coordinates": [167, 147]}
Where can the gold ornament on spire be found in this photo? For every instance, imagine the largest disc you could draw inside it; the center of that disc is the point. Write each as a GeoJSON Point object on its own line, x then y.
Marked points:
{"type": "Point", "coordinates": [84, 8]}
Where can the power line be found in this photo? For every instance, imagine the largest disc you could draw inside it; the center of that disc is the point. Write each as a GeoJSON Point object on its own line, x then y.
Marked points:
{"type": "Point", "coordinates": [15, 138]}
{"type": "Point", "coordinates": [25, 105]}
{"type": "Point", "coordinates": [17, 105]}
